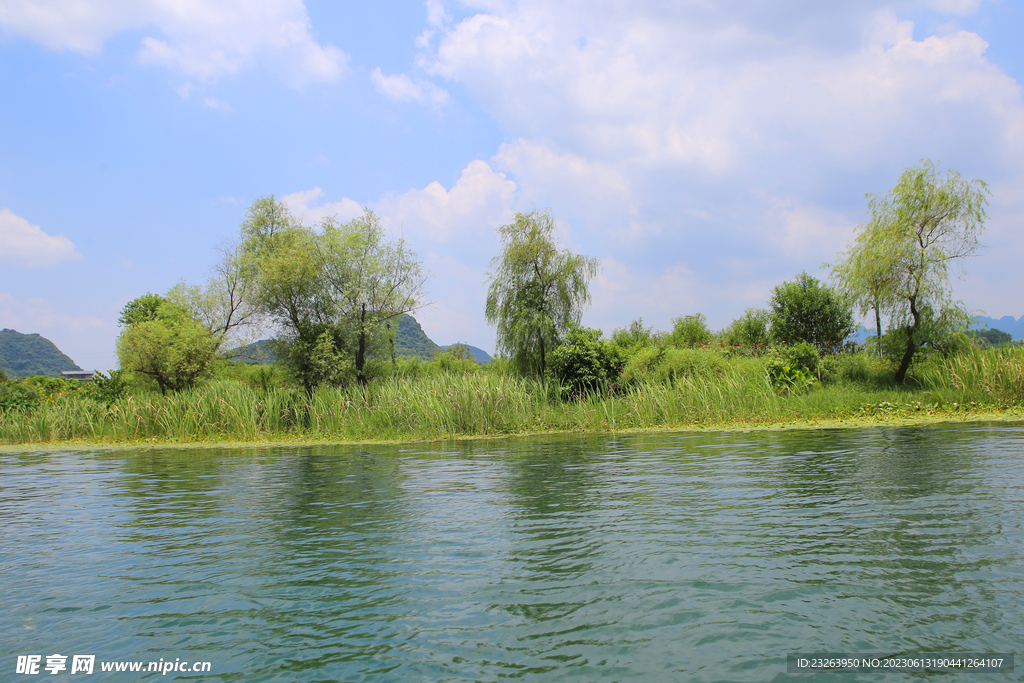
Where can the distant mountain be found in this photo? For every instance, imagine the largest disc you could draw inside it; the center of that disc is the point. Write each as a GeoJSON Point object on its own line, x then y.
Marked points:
{"type": "Point", "coordinates": [410, 342]}
{"type": "Point", "coordinates": [480, 355]}
{"type": "Point", "coordinates": [260, 352]}
{"type": "Point", "coordinates": [24, 355]}
{"type": "Point", "coordinates": [1012, 326]}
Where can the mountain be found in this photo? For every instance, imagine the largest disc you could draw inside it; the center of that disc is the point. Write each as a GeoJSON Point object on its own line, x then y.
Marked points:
{"type": "Point", "coordinates": [480, 355]}
{"type": "Point", "coordinates": [410, 342]}
{"type": "Point", "coordinates": [24, 355]}
{"type": "Point", "coordinates": [1012, 326]}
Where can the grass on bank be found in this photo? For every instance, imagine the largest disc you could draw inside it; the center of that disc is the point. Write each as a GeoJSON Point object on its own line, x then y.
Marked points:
{"type": "Point", "coordinates": [458, 402]}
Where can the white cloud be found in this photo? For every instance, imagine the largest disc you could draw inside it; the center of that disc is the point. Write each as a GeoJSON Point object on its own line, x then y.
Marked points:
{"type": "Point", "coordinates": [203, 40]}
{"type": "Point", "coordinates": [217, 105]}
{"type": "Point", "coordinates": [24, 244]}
{"type": "Point", "coordinates": [303, 204]}
{"type": "Point", "coordinates": [477, 203]}
{"type": "Point", "coordinates": [401, 88]}
{"type": "Point", "coordinates": [705, 92]}
{"type": "Point", "coordinates": [732, 141]}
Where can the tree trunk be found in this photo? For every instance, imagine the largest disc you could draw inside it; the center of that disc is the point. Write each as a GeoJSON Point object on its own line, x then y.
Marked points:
{"type": "Point", "coordinates": [391, 340]}
{"type": "Point", "coordinates": [542, 367]}
{"type": "Point", "coordinates": [908, 354]}
{"type": "Point", "coordinates": [361, 351]}
{"type": "Point", "coordinates": [878, 330]}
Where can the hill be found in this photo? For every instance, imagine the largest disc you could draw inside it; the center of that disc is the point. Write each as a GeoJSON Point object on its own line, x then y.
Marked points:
{"type": "Point", "coordinates": [1012, 326]}
{"type": "Point", "coordinates": [24, 355]}
{"type": "Point", "coordinates": [410, 342]}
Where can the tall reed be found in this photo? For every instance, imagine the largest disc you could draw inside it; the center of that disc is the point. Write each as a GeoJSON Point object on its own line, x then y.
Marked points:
{"type": "Point", "coordinates": [479, 404]}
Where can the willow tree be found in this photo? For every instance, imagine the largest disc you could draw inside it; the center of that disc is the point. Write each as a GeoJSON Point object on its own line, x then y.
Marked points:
{"type": "Point", "coordinates": [537, 291]}
{"type": "Point", "coordinates": [332, 290]}
{"type": "Point", "coordinates": [900, 260]}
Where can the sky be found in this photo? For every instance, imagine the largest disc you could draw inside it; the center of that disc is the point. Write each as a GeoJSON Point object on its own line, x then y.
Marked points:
{"type": "Point", "coordinates": [703, 151]}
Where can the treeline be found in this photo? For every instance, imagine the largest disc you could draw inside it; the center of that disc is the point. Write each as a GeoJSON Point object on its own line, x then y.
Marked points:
{"type": "Point", "coordinates": [335, 291]}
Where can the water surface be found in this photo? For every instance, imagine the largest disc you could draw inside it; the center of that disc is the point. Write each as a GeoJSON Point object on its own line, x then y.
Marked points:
{"type": "Point", "coordinates": [668, 557]}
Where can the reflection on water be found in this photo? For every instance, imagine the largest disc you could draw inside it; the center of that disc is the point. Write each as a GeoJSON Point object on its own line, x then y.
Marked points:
{"type": "Point", "coordinates": [639, 557]}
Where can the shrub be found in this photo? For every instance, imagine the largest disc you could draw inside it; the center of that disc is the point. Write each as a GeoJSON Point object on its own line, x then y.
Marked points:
{"type": "Point", "coordinates": [806, 310]}
{"type": "Point", "coordinates": [690, 330]}
{"type": "Point", "coordinates": [749, 330]}
{"type": "Point", "coordinates": [19, 395]}
{"type": "Point", "coordinates": [584, 363]}
{"type": "Point", "coordinates": [108, 389]}
{"type": "Point", "coordinates": [629, 340]}
{"type": "Point", "coordinates": [669, 366]}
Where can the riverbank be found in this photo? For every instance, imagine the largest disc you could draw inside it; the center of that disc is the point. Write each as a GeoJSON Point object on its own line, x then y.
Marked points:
{"type": "Point", "coordinates": [891, 416]}
{"type": "Point", "coordinates": [738, 395]}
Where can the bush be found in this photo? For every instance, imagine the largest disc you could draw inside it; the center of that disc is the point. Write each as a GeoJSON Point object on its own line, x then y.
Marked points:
{"type": "Point", "coordinates": [584, 363]}
{"type": "Point", "coordinates": [629, 340]}
{"type": "Point", "coordinates": [749, 330]}
{"type": "Point", "coordinates": [456, 358]}
{"type": "Point", "coordinates": [794, 367]}
{"type": "Point", "coordinates": [690, 330]}
{"type": "Point", "coordinates": [669, 366]}
{"type": "Point", "coordinates": [806, 310]}
{"type": "Point", "coordinates": [19, 395]}
{"type": "Point", "coordinates": [108, 389]}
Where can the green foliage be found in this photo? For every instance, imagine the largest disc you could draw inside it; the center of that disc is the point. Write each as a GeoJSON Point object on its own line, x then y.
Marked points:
{"type": "Point", "coordinates": [30, 392]}
{"type": "Point", "coordinates": [165, 344]}
{"type": "Point", "coordinates": [900, 259]}
{"type": "Point", "coordinates": [456, 358]}
{"type": "Point", "coordinates": [334, 290]}
{"type": "Point", "coordinates": [806, 310]}
{"type": "Point", "coordinates": [989, 338]}
{"type": "Point", "coordinates": [537, 292]}
{"type": "Point", "coordinates": [629, 340]}
{"type": "Point", "coordinates": [944, 333]}
{"type": "Point", "coordinates": [25, 355]}
{"type": "Point", "coordinates": [789, 378]}
{"type": "Point", "coordinates": [108, 388]}
{"type": "Point", "coordinates": [690, 330]}
{"type": "Point", "coordinates": [668, 366]}
{"type": "Point", "coordinates": [713, 390]}
{"type": "Point", "coordinates": [143, 309]}
{"type": "Point", "coordinates": [19, 396]}
{"type": "Point", "coordinates": [255, 375]}
{"type": "Point", "coordinates": [585, 363]}
{"type": "Point", "coordinates": [750, 330]}
{"type": "Point", "coordinates": [410, 339]}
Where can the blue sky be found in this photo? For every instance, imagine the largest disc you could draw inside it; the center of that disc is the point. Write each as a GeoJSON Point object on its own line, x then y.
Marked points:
{"type": "Point", "coordinates": [703, 152]}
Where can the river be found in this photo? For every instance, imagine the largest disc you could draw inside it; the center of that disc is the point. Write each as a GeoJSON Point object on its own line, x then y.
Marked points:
{"type": "Point", "coordinates": [659, 557]}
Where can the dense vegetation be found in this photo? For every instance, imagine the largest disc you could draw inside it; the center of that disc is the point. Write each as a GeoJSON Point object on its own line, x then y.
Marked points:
{"type": "Point", "coordinates": [340, 295]}
{"type": "Point", "coordinates": [660, 386]}
{"type": "Point", "coordinates": [24, 355]}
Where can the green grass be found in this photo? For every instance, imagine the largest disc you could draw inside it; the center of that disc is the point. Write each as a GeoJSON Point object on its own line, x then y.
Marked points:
{"type": "Point", "coordinates": [455, 404]}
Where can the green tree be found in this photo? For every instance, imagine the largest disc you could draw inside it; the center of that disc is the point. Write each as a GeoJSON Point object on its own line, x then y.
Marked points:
{"type": "Point", "coordinates": [370, 281]}
{"type": "Point", "coordinates": [537, 291]}
{"type": "Point", "coordinates": [751, 329]}
{"type": "Point", "coordinates": [585, 363]}
{"type": "Point", "coordinates": [162, 341]}
{"type": "Point", "coordinates": [690, 330]}
{"type": "Point", "coordinates": [332, 290]}
{"type": "Point", "coordinates": [227, 305]}
{"type": "Point", "coordinates": [899, 262]}
{"type": "Point", "coordinates": [807, 310]}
